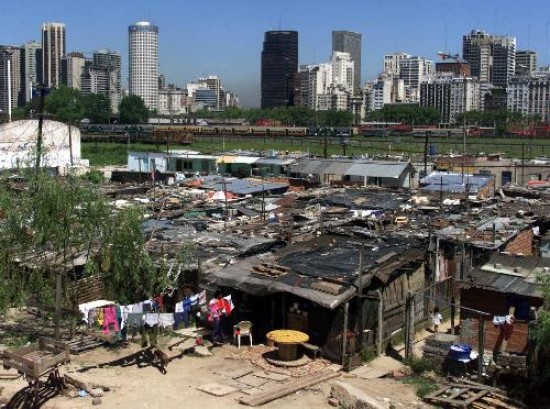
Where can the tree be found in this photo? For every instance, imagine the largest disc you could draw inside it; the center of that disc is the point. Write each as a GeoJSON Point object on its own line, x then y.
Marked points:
{"type": "Point", "coordinates": [133, 110]}
{"type": "Point", "coordinates": [65, 105]}
{"type": "Point", "coordinates": [47, 223]}
{"type": "Point", "coordinates": [97, 108]}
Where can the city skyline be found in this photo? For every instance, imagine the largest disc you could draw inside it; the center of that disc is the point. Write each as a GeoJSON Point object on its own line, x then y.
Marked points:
{"type": "Point", "coordinates": [229, 42]}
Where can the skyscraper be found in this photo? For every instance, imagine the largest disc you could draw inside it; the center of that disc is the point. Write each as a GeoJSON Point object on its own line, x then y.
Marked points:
{"type": "Point", "coordinates": [53, 49]}
{"type": "Point", "coordinates": [103, 75]}
{"type": "Point", "coordinates": [350, 42]}
{"type": "Point", "coordinates": [11, 54]}
{"type": "Point", "coordinates": [143, 64]}
{"type": "Point", "coordinates": [279, 68]}
{"type": "Point", "coordinates": [31, 66]}
{"type": "Point", "coordinates": [526, 62]}
{"type": "Point", "coordinates": [72, 68]}
{"type": "Point", "coordinates": [493, 58]}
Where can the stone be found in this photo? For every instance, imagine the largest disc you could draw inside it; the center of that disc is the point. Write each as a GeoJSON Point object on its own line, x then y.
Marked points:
{"type": "Point", "coordinates": [96, 392]}
{"type": "Point", "coordinates": [201, 350]}
{"type": "Point", "coordinates": [96, 401]}
{"type": "Point", "coordinates": [72, 393]}
{"type": "Point", "coordinates": [333, 402]}
{"type": "Point", "coordinates": [351, 397]}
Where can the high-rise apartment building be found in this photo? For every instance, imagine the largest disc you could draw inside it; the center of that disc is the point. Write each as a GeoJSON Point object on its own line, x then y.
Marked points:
{"type": "Point", "coordinates": [31, 67]}
{"type": "Point", "coordinates": [10, 82]}
{"type": "Point", "coordinates": [350, 42]}
{"type": "Point", "coordinates": [450, 95]}
{"type": "Point", "coordinates": [413, 71]}
{"type": "Point", "coordinates": [492, 58]}
{"type": "Point", "coordinates": [143, 62]}
{"type": "Point", "coordinates": [72, 67]}
{"type": "Point", "coordinates": [526, 62]}
{"type": "Point", "coordinates": [530, 95]}
{"type": "Point", "coordinates": [279, 68]}
{"type": "Point", "coordinates": [391, 63]}
{"type": "Point", "coordinates": [53, 50]}
{"type": "Point", "coordinates": [102, 75]}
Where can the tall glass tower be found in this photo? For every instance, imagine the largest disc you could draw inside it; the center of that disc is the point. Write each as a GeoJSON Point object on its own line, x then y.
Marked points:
{"type": "Point", "coordinates": [279, 68]}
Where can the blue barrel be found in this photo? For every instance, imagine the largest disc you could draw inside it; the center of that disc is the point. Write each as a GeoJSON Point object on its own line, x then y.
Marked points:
{"type": "Point", "coordinates": [460, 352]}
{"type": "Point", "coordinates": [432, 150]}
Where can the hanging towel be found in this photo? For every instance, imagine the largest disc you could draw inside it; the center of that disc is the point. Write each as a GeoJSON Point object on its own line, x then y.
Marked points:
{"type": "Point", "coordinates": [202, 298]}
{"type": "Point", "coordinates": [166, 320]}
{"type": "Point", "coordinates": [151, 319]}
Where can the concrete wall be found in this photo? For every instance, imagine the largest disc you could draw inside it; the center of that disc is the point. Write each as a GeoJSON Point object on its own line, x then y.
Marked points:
{"type": "Point", "coordinates": [18, 144]}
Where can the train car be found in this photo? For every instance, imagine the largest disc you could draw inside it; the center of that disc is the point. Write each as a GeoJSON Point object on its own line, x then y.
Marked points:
{"type": "Point", "coordinates": [173, 135]}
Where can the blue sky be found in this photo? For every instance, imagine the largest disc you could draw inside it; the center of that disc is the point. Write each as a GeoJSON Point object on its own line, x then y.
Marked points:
{"type": "Point", "coordinates": [198, 38]}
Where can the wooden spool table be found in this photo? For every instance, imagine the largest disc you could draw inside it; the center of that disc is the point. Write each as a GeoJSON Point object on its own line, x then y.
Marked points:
{"type": "Point", "coordinates": [287, 341]}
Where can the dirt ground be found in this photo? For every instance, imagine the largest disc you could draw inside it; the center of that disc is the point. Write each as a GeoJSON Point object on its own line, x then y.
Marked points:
{"type": "Point", "coordinates": [147, 387]}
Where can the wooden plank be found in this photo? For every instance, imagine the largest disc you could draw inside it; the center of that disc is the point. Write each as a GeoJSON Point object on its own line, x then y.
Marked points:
{"type": "Point", "coordinates": [477, 396]}
{"type": "Point", "coordinates": [287, 388]}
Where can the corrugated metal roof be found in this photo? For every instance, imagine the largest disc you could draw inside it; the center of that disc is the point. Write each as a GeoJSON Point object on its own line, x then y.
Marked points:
{"type": "Point", "coordinates": [379, 169]}
{"type": "Point", "coordinates": [351, 167]}
{"type": "Point", "coordinates": [275, 161]}
{"type": "Point", "coordinates": [509, 274]}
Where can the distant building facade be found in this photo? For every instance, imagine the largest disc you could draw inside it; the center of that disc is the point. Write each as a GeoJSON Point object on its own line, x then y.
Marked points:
{"type": "Point", "coordinates": [10, 55]}
{"type": "Point", "coordinates": [450, 95]}
{"type": "Point", "coordinates": [350, 42]}
{"type": "Point", "coordinates": [103, 75]}
{"type": "Point", "coordinates": [31, 66]}
{"type": "Point", "coordinates": [530, 95]}
{"type": "Point", "coordinates": [526, 62]}
{"type": "Point", "coordinates": [279, 68]}
{"type": "Point", "coordinates": [492, 58]}
{"type": "Point", "coordinates": [53, 50]}
{"type": "Point", "coordinates": [143, 62]}
{"type": "Point", "coordinates": [72, 67]}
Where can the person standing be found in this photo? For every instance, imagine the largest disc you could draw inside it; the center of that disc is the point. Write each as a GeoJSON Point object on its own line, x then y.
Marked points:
{"type": "Point", "coordinates": [218, 315]}
{"type": "Point", "coordinates": [437, 318]}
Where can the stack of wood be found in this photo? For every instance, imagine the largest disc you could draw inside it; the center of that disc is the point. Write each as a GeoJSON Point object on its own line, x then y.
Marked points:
{"type": "Point", "coordinates": [270, 270]}
{"type": "Point", "coordinates": [437, 346]}
{"type": "Point", "coordinates": [462, 393]}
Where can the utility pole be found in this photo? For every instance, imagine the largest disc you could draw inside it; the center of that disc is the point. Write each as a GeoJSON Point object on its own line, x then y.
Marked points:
{"type": "Point", "coordinates": [40, 125]}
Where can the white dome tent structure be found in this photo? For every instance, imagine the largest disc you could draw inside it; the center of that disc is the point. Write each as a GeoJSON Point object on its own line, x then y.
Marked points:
{"type": "Point", "coordinates": [18, 140]}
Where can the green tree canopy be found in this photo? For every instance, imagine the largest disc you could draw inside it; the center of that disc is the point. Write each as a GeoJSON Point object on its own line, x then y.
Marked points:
{"type": "Point", "coordinates": [97, 108]}
{"type": "Point", "coordinates": [406, 113]}
{"type": "Point", "coordinates": [133, 110]}
{"type": "Point", "coordinates": [65, 104]}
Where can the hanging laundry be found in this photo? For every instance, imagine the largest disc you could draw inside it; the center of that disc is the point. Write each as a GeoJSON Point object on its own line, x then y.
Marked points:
{"type": "Point", "coordinates": [166, 320]}
{"type": "Point", "coordinates": [151, 319]}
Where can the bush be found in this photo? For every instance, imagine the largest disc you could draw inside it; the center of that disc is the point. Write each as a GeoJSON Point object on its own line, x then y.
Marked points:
{"type": "Point", "coordinates": [421, 365]}
{"type": "Point", "coordinates": [94, 176]}
{"type": "Point", "coordinates": [367, 354]}
{"type": "Point", "coordinates": [423, 386]}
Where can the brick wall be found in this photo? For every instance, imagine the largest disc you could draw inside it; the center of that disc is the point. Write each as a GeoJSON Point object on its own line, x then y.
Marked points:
{"type": "Point", "coordinates": [522, 243]}
{"type": "Point", "coordinates": [494, 303]}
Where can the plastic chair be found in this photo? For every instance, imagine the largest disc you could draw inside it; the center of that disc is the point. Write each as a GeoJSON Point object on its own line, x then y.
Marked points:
{"type": "Point", "coordinates": [243, 328]}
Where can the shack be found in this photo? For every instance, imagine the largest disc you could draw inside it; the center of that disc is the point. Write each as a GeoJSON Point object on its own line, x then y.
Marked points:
{"type": "Point", "coordinates": [313, 287]}
{"type": "Point", "coordinates": [504, 286]}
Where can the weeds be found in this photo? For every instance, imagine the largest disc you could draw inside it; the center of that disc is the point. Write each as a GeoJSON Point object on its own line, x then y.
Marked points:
{"type": "Point", "coordinates": [423, 386]}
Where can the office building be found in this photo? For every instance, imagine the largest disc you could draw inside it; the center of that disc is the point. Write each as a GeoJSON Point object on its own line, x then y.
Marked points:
{"type": "Point", "coordinates": [31, 67]}
{"type": "Point", "coordinates": [413, 71]}
{"type": "Point", "coordinates": [350, 42]}
{"type": "Point", "coordinates": [391, 63]}
{"type": "Point", "coordinates": [102, 75]}
{"type": "Point", "coordinates": [530, 95]}
{"type": "Point", "coordinates": [172, 101]}
{"type": "Point", "coordinates": [279, 68]}
{"type": "Point", "coordinates": [10, 80]}
{"type": "Point", "coordinates": [450, 95]}
{"type": "Point", "coordinates": [72, 67]}
{"type": "Point", "coordinates": [143, 62]}
{"type": "Point", "coordinates": [493, 58]}
{"type": "Point", "coordinates": [526, 62]}
{"type": "Point", "coordinates": [458, 68]}
{"type": "Point", "coordinates": [53, 50]}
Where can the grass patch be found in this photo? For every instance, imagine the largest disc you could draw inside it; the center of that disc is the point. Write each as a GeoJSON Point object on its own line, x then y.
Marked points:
{"type": "Point", "coordinates": [423, 386]}
{"type": "Point", "coordinates": [367, 354]}
{"type": "Point", "coordinates": [421, 365]}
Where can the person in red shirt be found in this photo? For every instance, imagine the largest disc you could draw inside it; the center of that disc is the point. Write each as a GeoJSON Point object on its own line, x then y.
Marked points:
{"type": "Point", "coordinates": [219, 310]}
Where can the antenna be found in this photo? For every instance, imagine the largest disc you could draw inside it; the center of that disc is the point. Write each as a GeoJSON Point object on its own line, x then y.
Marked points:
{"type": "Point", "coordinates": [446, 29]}
{"type": "Point", "coordinates": [279, 22]}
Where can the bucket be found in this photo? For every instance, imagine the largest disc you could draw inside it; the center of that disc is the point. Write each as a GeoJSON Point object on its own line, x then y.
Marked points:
{"type": "Point", "coordinates": [460, 352]}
